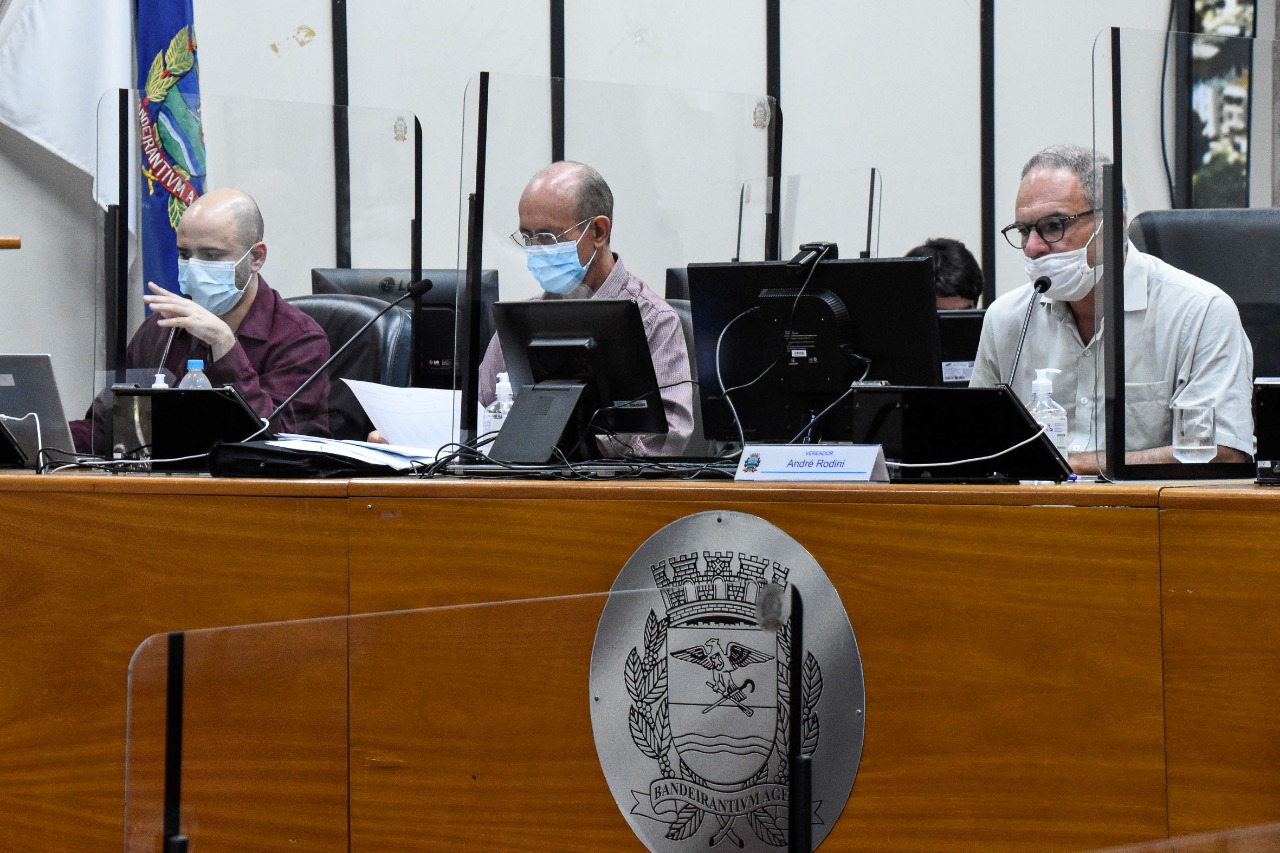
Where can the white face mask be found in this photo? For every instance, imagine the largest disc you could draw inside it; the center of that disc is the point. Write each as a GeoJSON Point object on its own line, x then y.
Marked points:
{"type": "Point", "coordinates": [1070, 276]}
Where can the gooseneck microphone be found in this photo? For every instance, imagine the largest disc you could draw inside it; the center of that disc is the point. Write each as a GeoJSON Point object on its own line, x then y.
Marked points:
{"type": "Point", "coordinates": [417, 289]}
{"type": "Point", "coordinates": [1040, 286]}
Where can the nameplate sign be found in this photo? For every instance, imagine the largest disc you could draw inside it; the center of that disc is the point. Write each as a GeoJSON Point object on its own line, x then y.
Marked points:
{"type": "Point", "coordinates": [817, 463]}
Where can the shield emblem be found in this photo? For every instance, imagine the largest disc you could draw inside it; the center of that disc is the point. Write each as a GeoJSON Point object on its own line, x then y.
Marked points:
{"type": "Point", "coordinates": [722, 699]}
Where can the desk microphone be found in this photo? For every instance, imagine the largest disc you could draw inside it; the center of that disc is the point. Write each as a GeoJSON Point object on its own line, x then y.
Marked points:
{"type": "Point", "coordinates": [161, 381]}
{"type": "Point", "coordinates": [1041, 285]}
{"type": "Point", "coordinates": [417, 289]}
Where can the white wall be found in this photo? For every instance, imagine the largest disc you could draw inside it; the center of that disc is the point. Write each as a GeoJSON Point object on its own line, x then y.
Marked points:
{"type": "Point", "coordinates": [890, 85]}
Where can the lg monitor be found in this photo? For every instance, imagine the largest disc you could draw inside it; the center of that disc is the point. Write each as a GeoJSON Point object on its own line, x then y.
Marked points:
{"type": "Point", "coordinates": [579, 367]}
{"type": "Point", "coordinates": [781, 344]}
{"type": "Point", "coordinates": [433, 324]}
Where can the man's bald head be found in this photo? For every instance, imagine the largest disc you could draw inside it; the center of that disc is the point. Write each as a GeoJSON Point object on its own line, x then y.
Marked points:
{"type": "Point", "coordinates": [230, 211]}
{"type": "Point", "coordinates": [576, 183]}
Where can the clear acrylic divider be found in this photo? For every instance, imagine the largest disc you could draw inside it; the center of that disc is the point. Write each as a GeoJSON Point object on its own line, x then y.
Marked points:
{"type": "Point", "coordinates": [1194, 113]}
{"type": "Point", "coordinates": [837, 207]}
{"type": "Point", "coordinates": [1250, 839]}
{"type": "Point", "coordinates": [289, 157]}
{"type": "Point", "coordinates": [504, 725]}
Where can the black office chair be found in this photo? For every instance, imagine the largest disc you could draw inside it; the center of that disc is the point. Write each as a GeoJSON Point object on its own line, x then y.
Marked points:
{"type": "Point", "coordinates": [1235, 248]}
{"type": "Point", "coordinates": [382, 354]}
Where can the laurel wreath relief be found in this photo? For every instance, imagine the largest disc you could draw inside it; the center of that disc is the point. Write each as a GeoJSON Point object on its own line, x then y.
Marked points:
{"type": "Point", "coordinates": [168, 67]}
{"type": "Point", "coordinates": [645, 675]}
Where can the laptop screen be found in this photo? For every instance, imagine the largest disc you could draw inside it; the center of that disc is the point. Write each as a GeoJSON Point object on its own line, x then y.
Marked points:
{"type": "Point", "coordinates": [31, 406]}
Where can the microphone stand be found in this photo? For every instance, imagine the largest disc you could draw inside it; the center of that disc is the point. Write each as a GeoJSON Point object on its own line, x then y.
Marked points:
{"type": "Point", "coordinates": [1041, 285]}
{"type": "Point", "coordinates": [415, 290]}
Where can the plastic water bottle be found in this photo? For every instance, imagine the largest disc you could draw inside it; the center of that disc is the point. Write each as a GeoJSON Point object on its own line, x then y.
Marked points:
{"type": "Point", "coordinates": [1047, 411]}
{"type": "Point", "coordinates": [495, 414]}
{"type": "Point", "coordinates": [194, 377]}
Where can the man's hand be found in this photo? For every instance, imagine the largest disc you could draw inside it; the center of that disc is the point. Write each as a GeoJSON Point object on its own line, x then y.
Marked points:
{"type": "Point", "coordinates": [182, 313]}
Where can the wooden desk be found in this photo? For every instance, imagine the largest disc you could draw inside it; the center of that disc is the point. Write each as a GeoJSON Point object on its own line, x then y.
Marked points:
{"type": "Point", "coordinates": [1011, 649]}
{"type": "Point", "coordinates": [1221, 599]}
{"type": "Point", "coordinates": [1011, 641]}
{"type": "Point", "coordinates": [94, 565]}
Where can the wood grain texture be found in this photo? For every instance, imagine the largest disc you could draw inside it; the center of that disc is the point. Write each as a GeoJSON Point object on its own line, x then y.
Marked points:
{"type": "Point", "coordinates": [1012, 654]}
{"type": "Point", "coordinates": [1222, 655]}
{"type": "Point", "coordinates": [85, 577]}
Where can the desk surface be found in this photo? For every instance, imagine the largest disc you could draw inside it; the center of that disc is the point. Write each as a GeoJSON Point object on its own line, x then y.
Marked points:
{"type": "Point", "coordinates": [1035, 681]}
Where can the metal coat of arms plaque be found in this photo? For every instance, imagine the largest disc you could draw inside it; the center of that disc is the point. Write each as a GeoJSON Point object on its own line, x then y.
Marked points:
{"type": "Point", "coordinates": [690, 689]}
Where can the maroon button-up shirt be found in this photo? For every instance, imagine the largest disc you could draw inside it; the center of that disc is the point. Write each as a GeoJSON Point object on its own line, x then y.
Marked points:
{"type": "Point", "coordinates": [277, 348]}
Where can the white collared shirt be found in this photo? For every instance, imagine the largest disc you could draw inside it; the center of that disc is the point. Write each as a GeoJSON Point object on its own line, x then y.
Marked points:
{"type": "Point", "coordinates": [1184, 346]}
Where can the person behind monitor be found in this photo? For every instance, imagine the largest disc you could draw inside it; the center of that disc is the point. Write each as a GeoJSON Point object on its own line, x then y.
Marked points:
{"type": "Point", "coordinates": [245, 332]}
{"type": "Point", "coordinates": [957, 278]}
{"type": "Point", "coordinates": [566, 219]}
{"type": "Point", "coordinates": [1184, 345]}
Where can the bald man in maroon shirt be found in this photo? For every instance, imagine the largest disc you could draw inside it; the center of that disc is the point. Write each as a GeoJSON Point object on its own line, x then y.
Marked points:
{"type": "Point", "coordinates": [245, 332]}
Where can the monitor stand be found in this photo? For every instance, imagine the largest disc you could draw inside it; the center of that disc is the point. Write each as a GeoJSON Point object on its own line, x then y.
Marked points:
{"type": "Point", "coordinates": [538, 422]}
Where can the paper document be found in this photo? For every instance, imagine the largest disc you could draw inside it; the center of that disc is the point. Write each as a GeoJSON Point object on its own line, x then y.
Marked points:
{"type": "Point", "coordinates": [400, 458]}
{"type": "Point", "coordinates": [413, 417]}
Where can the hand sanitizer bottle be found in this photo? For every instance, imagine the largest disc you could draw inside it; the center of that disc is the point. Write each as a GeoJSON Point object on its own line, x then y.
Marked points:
{"type": "Point", "coordinates": [1047, 411]}
{"type": "Point", "coordinates": [496, 413]}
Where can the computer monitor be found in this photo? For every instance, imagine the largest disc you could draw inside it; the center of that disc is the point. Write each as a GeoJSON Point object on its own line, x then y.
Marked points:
{"type": "Point", "coordinates": [792, 343]}
{"type": "Point", "coordinates": [579, 367]}
{"type": "Point", "coordinates": [433, 325]}
{"type": "Point", "coordinates": [959, 330]}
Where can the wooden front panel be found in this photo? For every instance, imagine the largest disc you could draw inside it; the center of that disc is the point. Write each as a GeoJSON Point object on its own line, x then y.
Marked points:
{"type": "Point", "coordinates": [1222, 655]}
{"type": "Point", "coordinates": [1011, 656]}
{"type": "Point", "coordinates": [87, 572]}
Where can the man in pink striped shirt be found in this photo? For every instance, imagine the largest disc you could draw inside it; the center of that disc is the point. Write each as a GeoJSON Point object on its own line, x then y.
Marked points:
{"type": "Point", "coordinates": [569, 203]}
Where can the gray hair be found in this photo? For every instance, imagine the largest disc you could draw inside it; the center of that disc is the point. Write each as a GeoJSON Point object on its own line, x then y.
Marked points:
{"type": "Point", "coordinates": [594, 198]}
{"type": "Point", "coordinates": [1085, 163]}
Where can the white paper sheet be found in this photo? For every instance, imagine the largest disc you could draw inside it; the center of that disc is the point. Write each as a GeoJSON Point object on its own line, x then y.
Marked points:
{"type": "Point", "coordinates": [423, 418]}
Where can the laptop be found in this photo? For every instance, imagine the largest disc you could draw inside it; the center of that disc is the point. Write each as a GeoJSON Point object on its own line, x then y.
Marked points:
{"type": "Point", "coordinates": [959, 332]}
{"type": "Point", "coordinates": [30, 407]}
{"type": "Point", "coordinates": [987, 431]}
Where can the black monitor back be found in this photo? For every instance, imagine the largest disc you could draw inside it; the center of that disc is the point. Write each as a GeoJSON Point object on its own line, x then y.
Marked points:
{"type": "Point", "coordinates": [892, 322]}
{"type": "Point", "coordinates": [959, 331]}
{"type": "Point", "coordinates": [434, 323]}
{"type": "Point", "coordinates": [579, 367]}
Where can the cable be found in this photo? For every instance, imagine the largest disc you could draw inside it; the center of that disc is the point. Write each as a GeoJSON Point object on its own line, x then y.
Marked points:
{"type": "Point", "coordinates": [39, 435]}
{"type": "Point", "coordinates": [837, 401]}
{"type": "Point", "coordinates": [986, 458]}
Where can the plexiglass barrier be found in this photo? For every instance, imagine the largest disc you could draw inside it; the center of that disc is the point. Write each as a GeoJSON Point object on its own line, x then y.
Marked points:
{"type": "Point", "coordinates": [837, 207]}
{"type": "Point", "coordinates": [1189, 118]}
{"type": "Point", "coordinates": [675, 160]}
{"type": "Point", "coordinates": [1250, 839]}
{"type": "Point", "coordinates": [474, 727]}
{"type": "Point", "coordinates": [335, 186]}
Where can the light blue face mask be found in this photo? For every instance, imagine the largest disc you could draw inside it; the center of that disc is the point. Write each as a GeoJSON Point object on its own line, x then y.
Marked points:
{"type": "Point", "coordinates": [211, 284]}
{"type": "Point", "coordinates": [556, 267]}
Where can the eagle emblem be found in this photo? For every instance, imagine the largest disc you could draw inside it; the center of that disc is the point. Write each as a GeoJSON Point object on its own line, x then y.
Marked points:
{"type": "Point", "coordinates": [721, 663]}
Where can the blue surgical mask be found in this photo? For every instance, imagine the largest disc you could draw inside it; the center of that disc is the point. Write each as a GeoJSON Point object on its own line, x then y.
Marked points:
{"type": "Point", "coordinates": [556, 267]}
{"type": "Point", "coordinates": [211, 284]}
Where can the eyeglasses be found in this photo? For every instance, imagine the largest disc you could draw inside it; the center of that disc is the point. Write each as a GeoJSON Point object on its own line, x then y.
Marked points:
{"type": "Point", "coordinates": [1051, 229]}
{"type": "Point", "coordinates": [524, 239]}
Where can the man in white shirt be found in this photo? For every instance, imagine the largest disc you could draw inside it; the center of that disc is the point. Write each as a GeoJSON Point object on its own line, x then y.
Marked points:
{"type": "Point", "coordinates": [1184, 345]}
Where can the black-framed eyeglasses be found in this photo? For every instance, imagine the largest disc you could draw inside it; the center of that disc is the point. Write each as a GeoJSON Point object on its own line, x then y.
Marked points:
{"type": "Point", "coordinates": [524, 239]}
{"type": "Point", "coordinates": [1051, 228]}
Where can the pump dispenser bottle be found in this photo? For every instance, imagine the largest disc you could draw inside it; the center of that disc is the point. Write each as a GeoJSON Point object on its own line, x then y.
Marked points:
{"type": "Point", "coordinates": [1047, 411]}
{"type": "Point", "coordinates": [496, 413]}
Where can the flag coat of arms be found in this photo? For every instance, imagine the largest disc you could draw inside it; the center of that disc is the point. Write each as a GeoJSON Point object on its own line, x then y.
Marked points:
{"type": "Point", "coordinates": [172, 141]}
